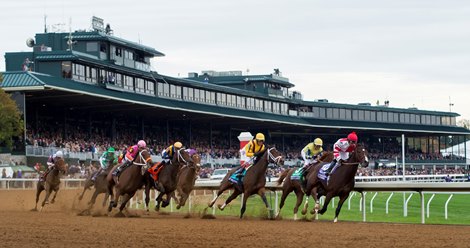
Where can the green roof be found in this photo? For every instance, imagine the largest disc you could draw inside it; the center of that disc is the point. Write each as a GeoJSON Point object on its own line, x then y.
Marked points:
{"type": "Point", "coordinates": [95, 35]}
{"type": "Point", "coordinates": [20, 79]}
{"type": "Point", "coordinates": [231, 80]}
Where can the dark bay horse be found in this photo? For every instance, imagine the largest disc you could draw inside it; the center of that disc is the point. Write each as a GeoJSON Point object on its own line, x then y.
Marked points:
{"type": "Point", "coordinates": [254, 180]}
{"type": "Point", "coordinates": [341, 182]}
{"type": "Point", "coordinates": [130, 180]}
{"type": "Point", "coordinates": [167, 179]}
{"type": "Point", "coordinates": [186, 180]}
{"type": "Point", "coordinates": [295, 185]}
{"type": "Point", "coordinates": [51, 183]}
{"type": "Point", "coordinates": [101, 186]}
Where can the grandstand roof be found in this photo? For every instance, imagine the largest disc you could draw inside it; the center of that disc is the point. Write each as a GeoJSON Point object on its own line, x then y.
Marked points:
{"type": "Point", "coordinates": [93, 96]}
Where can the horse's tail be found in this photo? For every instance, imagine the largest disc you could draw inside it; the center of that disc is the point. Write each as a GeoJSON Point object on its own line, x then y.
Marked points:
{"type": "Point", "coordinates": [283, 176]}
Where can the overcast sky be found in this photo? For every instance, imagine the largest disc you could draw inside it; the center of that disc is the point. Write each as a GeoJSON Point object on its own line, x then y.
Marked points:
{"type": "Point", "coordinates": [412, 53]}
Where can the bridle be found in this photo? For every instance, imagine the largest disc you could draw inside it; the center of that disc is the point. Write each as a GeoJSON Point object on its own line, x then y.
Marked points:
{"type": "Point", "coordinates": [273, 159]}
{"type": "Point", "coordinates": [142, 159]}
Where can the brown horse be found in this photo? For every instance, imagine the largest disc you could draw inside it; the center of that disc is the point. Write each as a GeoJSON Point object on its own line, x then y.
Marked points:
{"type": "Point", "coordinates": [186, 180]}
{"type": "Point", "coordinates": [295, 185]}
{"type": "Point", "coordinates": [130, 180]}
{"type": "Point", "coordinates": [101, 186]}
{"type": "Point", "coordinates": [254, 180]}
{"type": "Point", "coordinates": [51, 183]}
{"type": "Point", "coordinates": [341, 182]}
{"type": "Point", "coordinates": [167, 179]}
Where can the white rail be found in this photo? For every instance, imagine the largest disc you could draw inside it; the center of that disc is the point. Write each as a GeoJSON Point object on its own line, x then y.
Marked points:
{"type": "Point", "coordinates": [361, 187]}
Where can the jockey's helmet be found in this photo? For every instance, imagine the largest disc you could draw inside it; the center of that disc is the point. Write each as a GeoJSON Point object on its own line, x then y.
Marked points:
{"type": "Point", "coordinates": [259, 137]}
{"type": "Point", "coordinates": [318, 142]}
{"type": "Point", "coordinates": [141, 144]}
{"type": "Point", "coordinates": [177, 145]}
{"type": "Point", "coordinates": [59, 154]}
{"type": "Point", "coordinates": [352, 137]}
{"type": "Point", "coordinates": [111, 149]}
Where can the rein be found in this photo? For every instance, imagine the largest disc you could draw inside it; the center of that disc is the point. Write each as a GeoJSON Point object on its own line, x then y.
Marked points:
{"type": "Point", "coordinates": [142, 159]}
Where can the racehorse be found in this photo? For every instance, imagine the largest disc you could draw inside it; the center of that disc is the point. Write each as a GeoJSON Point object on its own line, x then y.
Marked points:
{"type": "Point", "coordinates": [167, 179]}
{"type": "Point", "coordinates": [341, 182]}
{"type": "Point", "coordinates": [254, 180]}
{"type": "Point", "coordinates": [186, 180]}
{"type": "Point", "coordinates": [295, 185]}
{"type": "Point", "coordinates": [130, 180]}
{"type": "Point", "coordinates": [101, 186]}
{"type": "Point", "coordinates": [51, 182]}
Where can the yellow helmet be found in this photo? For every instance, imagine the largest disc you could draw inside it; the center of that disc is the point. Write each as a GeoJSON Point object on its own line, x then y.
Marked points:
{"type": "Point", "coordinates": [259, 136]}
{"type": "Point", "coordinates": [178, 145]}
{"type": "Point", "coordinates": [318, 142]}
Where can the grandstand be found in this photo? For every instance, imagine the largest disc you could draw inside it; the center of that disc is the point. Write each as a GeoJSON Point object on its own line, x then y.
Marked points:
{"type": "Point", "coordinates": [86, 90]}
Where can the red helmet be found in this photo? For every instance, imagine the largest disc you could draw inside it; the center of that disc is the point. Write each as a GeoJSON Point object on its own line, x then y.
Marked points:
{"type": "Point", "coordinates": [352, 136]}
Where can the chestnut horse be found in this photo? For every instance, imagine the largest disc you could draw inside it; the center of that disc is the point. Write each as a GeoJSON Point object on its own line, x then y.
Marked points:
{"type": "Point", "coordinates": [253, 182]}
{"type": "Point", "coordinates": [341, 182]}
{"type": "Point", "coordinates": [51, 183]}
{"type": "Point", "coordinates": [186, 180]}
{"type": "Point", "coordinates": [295, 185]}
{"type": "Point", "coordinates": [167, 179]}
{"type": "Point", "coordinates": [130, 180]}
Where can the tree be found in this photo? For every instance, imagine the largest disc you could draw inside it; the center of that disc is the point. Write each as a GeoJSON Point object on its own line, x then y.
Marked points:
{"type": "Point", "coordinates": [465, 123]}
{"type": "Point", "coordinates": [11, 123]}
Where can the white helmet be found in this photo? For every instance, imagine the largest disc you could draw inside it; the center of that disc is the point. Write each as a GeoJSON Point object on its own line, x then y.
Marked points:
{"type": "Point", "coordinates": [59, 154]}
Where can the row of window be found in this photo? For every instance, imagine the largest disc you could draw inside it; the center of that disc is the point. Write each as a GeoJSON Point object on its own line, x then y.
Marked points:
{"type": "Point", "coordinates": [380, 116]}
{"type": "Point", "coordinates": [143, 86]}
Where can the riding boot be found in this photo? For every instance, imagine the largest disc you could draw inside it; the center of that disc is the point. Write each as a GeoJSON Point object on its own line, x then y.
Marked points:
{"type": "Point", "coordinates": [44, 176]}
{"type": "Point", "coordinates": [241, 172]}
{"type": "Point", "coordinates": [120, 168]}
{"type": "Point", "coordinates": [332, 165]}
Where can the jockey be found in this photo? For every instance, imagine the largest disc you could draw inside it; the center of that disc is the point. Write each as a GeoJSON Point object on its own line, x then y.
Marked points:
{"type": "Point", "coordinates": [131, 154]}
{"type": "Point", "coordinates": [252, 150]}
{"type": "Point", "coordinates": [51, 162]}
{"type": "Point", "coordinates": [311, 153]}
{"type": "Point", "coordinates": [342, 148]}
{"type": "Point", "coordinates": [105, 159]}
{"type": "Point", "coordinates": [167, 154]}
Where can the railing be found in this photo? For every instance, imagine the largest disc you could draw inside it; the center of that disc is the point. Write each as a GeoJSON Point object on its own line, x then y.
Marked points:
{"type": "Point", "coordinates": [361, 187]}
{"type": "Point", "coordinates": [40, 151]}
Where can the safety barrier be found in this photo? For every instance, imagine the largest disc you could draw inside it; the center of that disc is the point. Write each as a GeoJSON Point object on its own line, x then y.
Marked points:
{"type": "Point", "coordinates": [361, 187]}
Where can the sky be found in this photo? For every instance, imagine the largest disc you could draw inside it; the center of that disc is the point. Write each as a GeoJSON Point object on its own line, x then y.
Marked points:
{"type": "Point", "coordinates": [411, 53]}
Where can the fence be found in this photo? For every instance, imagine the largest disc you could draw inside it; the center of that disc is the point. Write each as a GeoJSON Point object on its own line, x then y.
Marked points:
{"type": "Point", "coordinates": [361, 187]}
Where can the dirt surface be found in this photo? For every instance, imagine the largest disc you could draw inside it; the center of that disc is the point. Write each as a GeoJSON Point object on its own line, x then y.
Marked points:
{"type": "Point", "coordinates": [60, 225]}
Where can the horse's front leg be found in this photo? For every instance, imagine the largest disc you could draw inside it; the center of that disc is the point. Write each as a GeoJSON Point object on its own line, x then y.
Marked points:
{"type": "Point", "coordinates": [55, 194]}
{"type": "Point", "coordinates": [147, 196]}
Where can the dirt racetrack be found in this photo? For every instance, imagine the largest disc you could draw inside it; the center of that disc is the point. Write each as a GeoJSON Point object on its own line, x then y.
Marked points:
{"type": "Point", "coordinates": [60, 226]}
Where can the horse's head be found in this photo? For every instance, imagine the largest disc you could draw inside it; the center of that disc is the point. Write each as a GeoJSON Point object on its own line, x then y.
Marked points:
{"type": "Point", "coordinates": [60, 165]}
{"type": "Point", "coordinates": [181, 157]}
{"type": "Point", "coordinates": [359, 155]}
{"type": "Point", "coordinates": [144, 158]}
{"type": "Point", "coordinates": [197, 161]}
{"type": "Point", "coordinates": [275, 156]}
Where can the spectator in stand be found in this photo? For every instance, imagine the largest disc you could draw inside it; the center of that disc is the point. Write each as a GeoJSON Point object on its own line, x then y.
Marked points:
{"type": "Point", "coordinates": [4, 173]}
{"type": "Point", "coordinates": [448, 179]}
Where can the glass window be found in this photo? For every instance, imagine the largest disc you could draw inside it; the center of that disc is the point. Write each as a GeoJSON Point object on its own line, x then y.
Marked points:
{"type": "Point", "coordinates": [212, 97]}
{"type": "Point", "coordinates": [335, 113]}
{"type": "Point", "coordinates": [390, 117]}
{"type": "Point", "coordinates": [128, 82]}
{"type": "Point", "coordinates": [355, 115]}
{"type": "Point", "coordinates": [67, 69]}
{"type": "Point", "coordinates": [178, 92]}
{"type": "Point", "coordinates": [118, 79]}
{"type": "Point", "coordinates": [191, 94]}
{"type": "Point", "coordinates": [150, 87]}
{"type": "Point", "coordinates": [196, 95]}
{"type": "Point", "coordinates": [140, 85]}
{"type": "Point", "coordinates": [367, 115]}
{"type": "Point", "coordinates": [395, 117]}
{"type": "Point", "coordinates": [202, 95]}
{"type": "Point", "coordinates": [329, 113]}
{"type": "Point", "coordinates": [78, 72]}
{"type": "Point", "coordinates": [92, 46]}
{"type": "Point", "coordinates": [172, 90]}
{"type": "Point", "coordinates": [267, 106]}
{"type": "Point", "coordinates": [166, 90]}
{"type": "Point", "coordinates": [342, 114]}
{"type": "Point", "coordinates": [276, 107]}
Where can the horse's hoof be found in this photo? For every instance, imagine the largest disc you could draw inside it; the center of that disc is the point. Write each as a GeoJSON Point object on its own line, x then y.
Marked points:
{"type": "Point", "coordinates": [46, 202]}
{"type": "Point", "coordinates": [52, 202]}
{"type": "Point", "coordinates": [80, 198]}
{"type": "Point", "coordinates": [335, 220]}
{"type": "Point", "coordinates": [119, 215]}
{"type": "Point", "coordinates": [304, 211]}
{"type": "Point", "coordinates": [178, 206]}
{"type": "Point", "coordinates": [34, 210]}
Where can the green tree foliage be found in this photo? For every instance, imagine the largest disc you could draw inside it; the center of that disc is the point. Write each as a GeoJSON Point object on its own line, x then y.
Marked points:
{"type": "Point", "coordinates": [465, 123]}
{"type": "Point", "coordinates": [11, 123]}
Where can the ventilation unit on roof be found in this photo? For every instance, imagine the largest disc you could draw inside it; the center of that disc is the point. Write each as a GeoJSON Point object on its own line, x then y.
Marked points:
{"type": "Point", "coordinates": [321, 100]}
{"type": "Point", "coordinates": [364, 104]}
